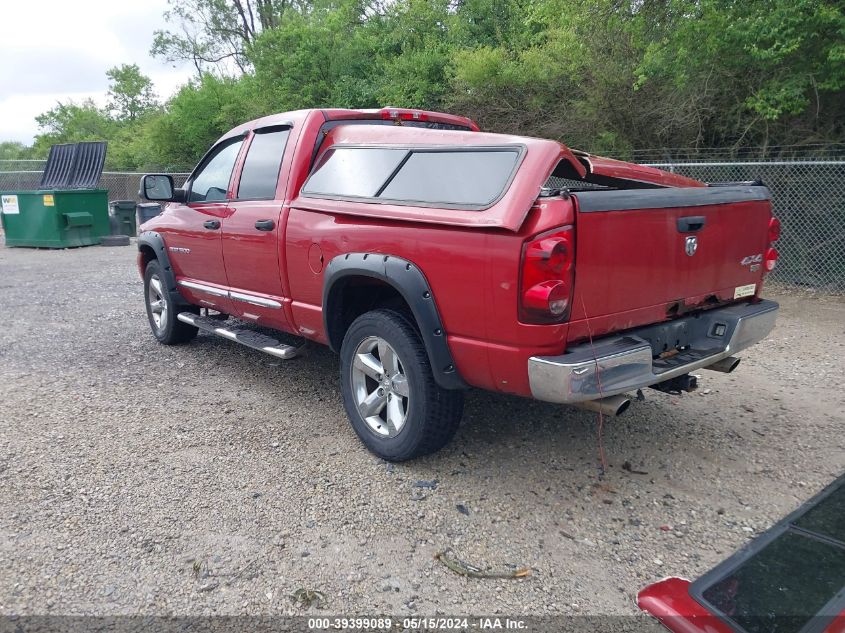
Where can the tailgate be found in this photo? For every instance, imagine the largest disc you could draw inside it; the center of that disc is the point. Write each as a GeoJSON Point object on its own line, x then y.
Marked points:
{"type": "Point", "coordinates": [680, 247]}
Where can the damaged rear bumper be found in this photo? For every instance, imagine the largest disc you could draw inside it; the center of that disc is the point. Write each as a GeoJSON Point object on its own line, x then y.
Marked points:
{"type": "Point", "coordinates": [616, 364]}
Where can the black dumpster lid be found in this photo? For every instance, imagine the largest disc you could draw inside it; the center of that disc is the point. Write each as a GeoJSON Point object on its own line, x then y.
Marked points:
{"type": "Point", "coordinates": [74, 165]}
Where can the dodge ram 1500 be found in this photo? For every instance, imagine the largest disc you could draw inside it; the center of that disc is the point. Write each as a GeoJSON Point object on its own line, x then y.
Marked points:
{"type": "Point", "coordinates": [434, 257]}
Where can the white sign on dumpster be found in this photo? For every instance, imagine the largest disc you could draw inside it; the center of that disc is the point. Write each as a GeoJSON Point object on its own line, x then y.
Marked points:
{"type": "Point", "coordinates": [10, 205]}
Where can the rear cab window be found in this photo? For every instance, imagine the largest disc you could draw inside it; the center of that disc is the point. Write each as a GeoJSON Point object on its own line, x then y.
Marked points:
{"type": "Point", "coordinates": [471, 178]}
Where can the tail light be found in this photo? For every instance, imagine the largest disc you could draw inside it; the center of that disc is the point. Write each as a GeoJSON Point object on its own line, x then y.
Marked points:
{"type": "Point", "coordinates": [774, 230]}
{"type": "Point", "coordinates": [771, 257]}
{"type": "Point", "coordinates": [547, 278]}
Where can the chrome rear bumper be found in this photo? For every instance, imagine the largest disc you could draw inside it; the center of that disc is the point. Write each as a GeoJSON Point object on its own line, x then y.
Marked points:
{"type": "Point", "coordinates": [616, 364]}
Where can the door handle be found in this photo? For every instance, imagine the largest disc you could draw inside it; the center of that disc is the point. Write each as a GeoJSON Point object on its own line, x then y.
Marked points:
{"type": "Point", "coordinates": [211, 224]}
{"type": "Point", "coordinates": [265, 225]}
{"type": "Point", "coordinates": [691, 223]}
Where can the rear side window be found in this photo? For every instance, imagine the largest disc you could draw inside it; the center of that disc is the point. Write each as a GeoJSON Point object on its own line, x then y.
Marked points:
{"type": "Point", "coordinates": [472, 178]}
{"type": "Point", "coordinates": [357, 172]}
{"type": "Point", "coordinates": [461, 178]}
{"type": "Point", "coordinates": [260, 172]}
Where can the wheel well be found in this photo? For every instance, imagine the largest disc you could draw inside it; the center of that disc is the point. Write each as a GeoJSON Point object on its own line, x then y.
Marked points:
{"type": "Point", "coordinates": [147, 255]}
{"type": "Point", "coordinates": [353, 296]}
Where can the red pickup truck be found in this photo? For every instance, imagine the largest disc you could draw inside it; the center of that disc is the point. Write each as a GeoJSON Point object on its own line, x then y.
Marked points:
{"type": "Point", "coordinates": [434, 257]}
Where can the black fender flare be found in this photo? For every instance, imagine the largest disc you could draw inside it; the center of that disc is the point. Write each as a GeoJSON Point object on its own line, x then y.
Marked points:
{"type": "Point", "coordinates": [408, 280]}
{"type": "Point", "coordinates": [155, 241]}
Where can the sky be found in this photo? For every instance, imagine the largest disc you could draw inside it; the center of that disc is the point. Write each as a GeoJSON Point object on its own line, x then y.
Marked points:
{"type": "Point", "coordinates": [56, 50]}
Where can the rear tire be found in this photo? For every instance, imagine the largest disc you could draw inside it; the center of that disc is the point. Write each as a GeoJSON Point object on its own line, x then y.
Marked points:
{"type": "Point", "coordinates": [397, 409]}
{"type": "Point", "coordinates": [162, 311]}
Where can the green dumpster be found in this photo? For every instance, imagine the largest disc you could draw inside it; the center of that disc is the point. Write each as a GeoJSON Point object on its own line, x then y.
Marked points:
{"type": "Point", "coordinates": [123, 211]}
{"type": "Point", "coordinates": [55, 218]}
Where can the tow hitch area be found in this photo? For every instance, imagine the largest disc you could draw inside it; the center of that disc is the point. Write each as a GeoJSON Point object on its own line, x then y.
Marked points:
{"type": "Point", "coordinates": [686, 382]}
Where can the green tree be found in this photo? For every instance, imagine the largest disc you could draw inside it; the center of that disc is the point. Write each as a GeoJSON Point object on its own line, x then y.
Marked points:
{"type": "Point", "coordinates": [564, 71]}
{"type": "Point", "coordinates": [14, 150]}
{"type": "Point", "coordinates": [215, 34]}
{"type": "Point", "coordinates": [320, 58]}
{"type": "Point", "coordinates": [197, 116]}
{"type": "Point", "coordinates": [416, 54]}
{"type": "Point", "coordinates": [754, 71]}
{"type": "Point", "coordinates": [604, 75]}
{"type": "Point", "coordinates": [70, 123]}
{"type": "Point", "coordinates": [131, 93]}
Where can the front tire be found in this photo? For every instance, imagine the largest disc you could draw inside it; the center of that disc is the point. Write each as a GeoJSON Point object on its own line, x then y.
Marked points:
{"type": "Point", "coordinates": [389, 392]}
{"type": "Point", "coordinates": [161, 310]}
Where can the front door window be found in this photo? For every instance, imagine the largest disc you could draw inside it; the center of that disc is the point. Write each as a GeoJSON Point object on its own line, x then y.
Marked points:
{"type": "Point", "coordinates": [212, 181]}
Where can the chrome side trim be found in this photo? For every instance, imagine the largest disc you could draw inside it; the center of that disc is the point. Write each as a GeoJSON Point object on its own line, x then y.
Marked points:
{"type": "Point", "coordinates": [252, 299]}
{"type": "Point", "coordinates": [231, 294]}
{"type": "Point", "coordinates": [618, 364]}
{"type": "Point", "coordinates": [211, 290]}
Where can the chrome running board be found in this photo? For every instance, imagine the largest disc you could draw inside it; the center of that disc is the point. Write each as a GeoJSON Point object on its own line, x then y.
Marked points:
{"type": "Point", "coordinates": [242, 334]}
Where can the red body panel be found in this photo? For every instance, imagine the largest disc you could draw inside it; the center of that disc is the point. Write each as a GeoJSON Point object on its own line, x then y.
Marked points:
{"type": "Point", "coordinates": [259, 266]}
{"type": "Point", "coordinates": [185, 233]}
{"type": "Point", "coordinates": [669, 601]}
{"type": "Point", "coordinates": [474, 275]}
{"type": "Point", "coordinates": [471, 259]}
{"type": "Point", "coordinates": [610, 168]}
{"type": "Point", "coordinates": [631, 265]}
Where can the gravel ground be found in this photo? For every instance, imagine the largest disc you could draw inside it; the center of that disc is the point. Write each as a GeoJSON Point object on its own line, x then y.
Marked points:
{"type": "Point", "coordinates": [212, 479]}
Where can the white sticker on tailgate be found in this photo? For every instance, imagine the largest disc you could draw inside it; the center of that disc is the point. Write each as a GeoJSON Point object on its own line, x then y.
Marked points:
{"type": "Point", "coordinates": [744, 291]}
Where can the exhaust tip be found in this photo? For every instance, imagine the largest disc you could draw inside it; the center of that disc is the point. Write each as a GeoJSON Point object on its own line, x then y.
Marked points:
{"type": "Point", "coordinates": [726, 365]}
{"type": "Point", "coordinates": [612, 405]}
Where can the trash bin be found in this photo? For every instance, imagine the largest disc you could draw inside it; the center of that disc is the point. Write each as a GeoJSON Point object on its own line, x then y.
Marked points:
{"type": "Point", "coordinates": [123, 211]}
{"type": "Point", "coordinates": [67, 209]}
{"type": "Point", "coordinates": [147, 211]}
{"type": "Point", "coordinates": [55, 218]}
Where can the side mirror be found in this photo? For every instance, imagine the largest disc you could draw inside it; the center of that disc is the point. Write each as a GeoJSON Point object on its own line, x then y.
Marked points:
{"type": "Point", "coordinates": [159, 188]}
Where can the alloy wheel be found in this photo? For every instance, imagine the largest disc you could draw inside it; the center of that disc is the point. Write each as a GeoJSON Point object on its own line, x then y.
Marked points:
{"type": "Point", "coordinates": [157, 302]}
{"type": "Point", "coordinates": [380, 387]}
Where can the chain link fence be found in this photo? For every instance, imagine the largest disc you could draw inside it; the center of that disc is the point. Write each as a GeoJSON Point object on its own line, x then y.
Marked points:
{"type": "Point", "coordinates": [808, 197]}
{"type": "Point", "coordinates": [121, 185]}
